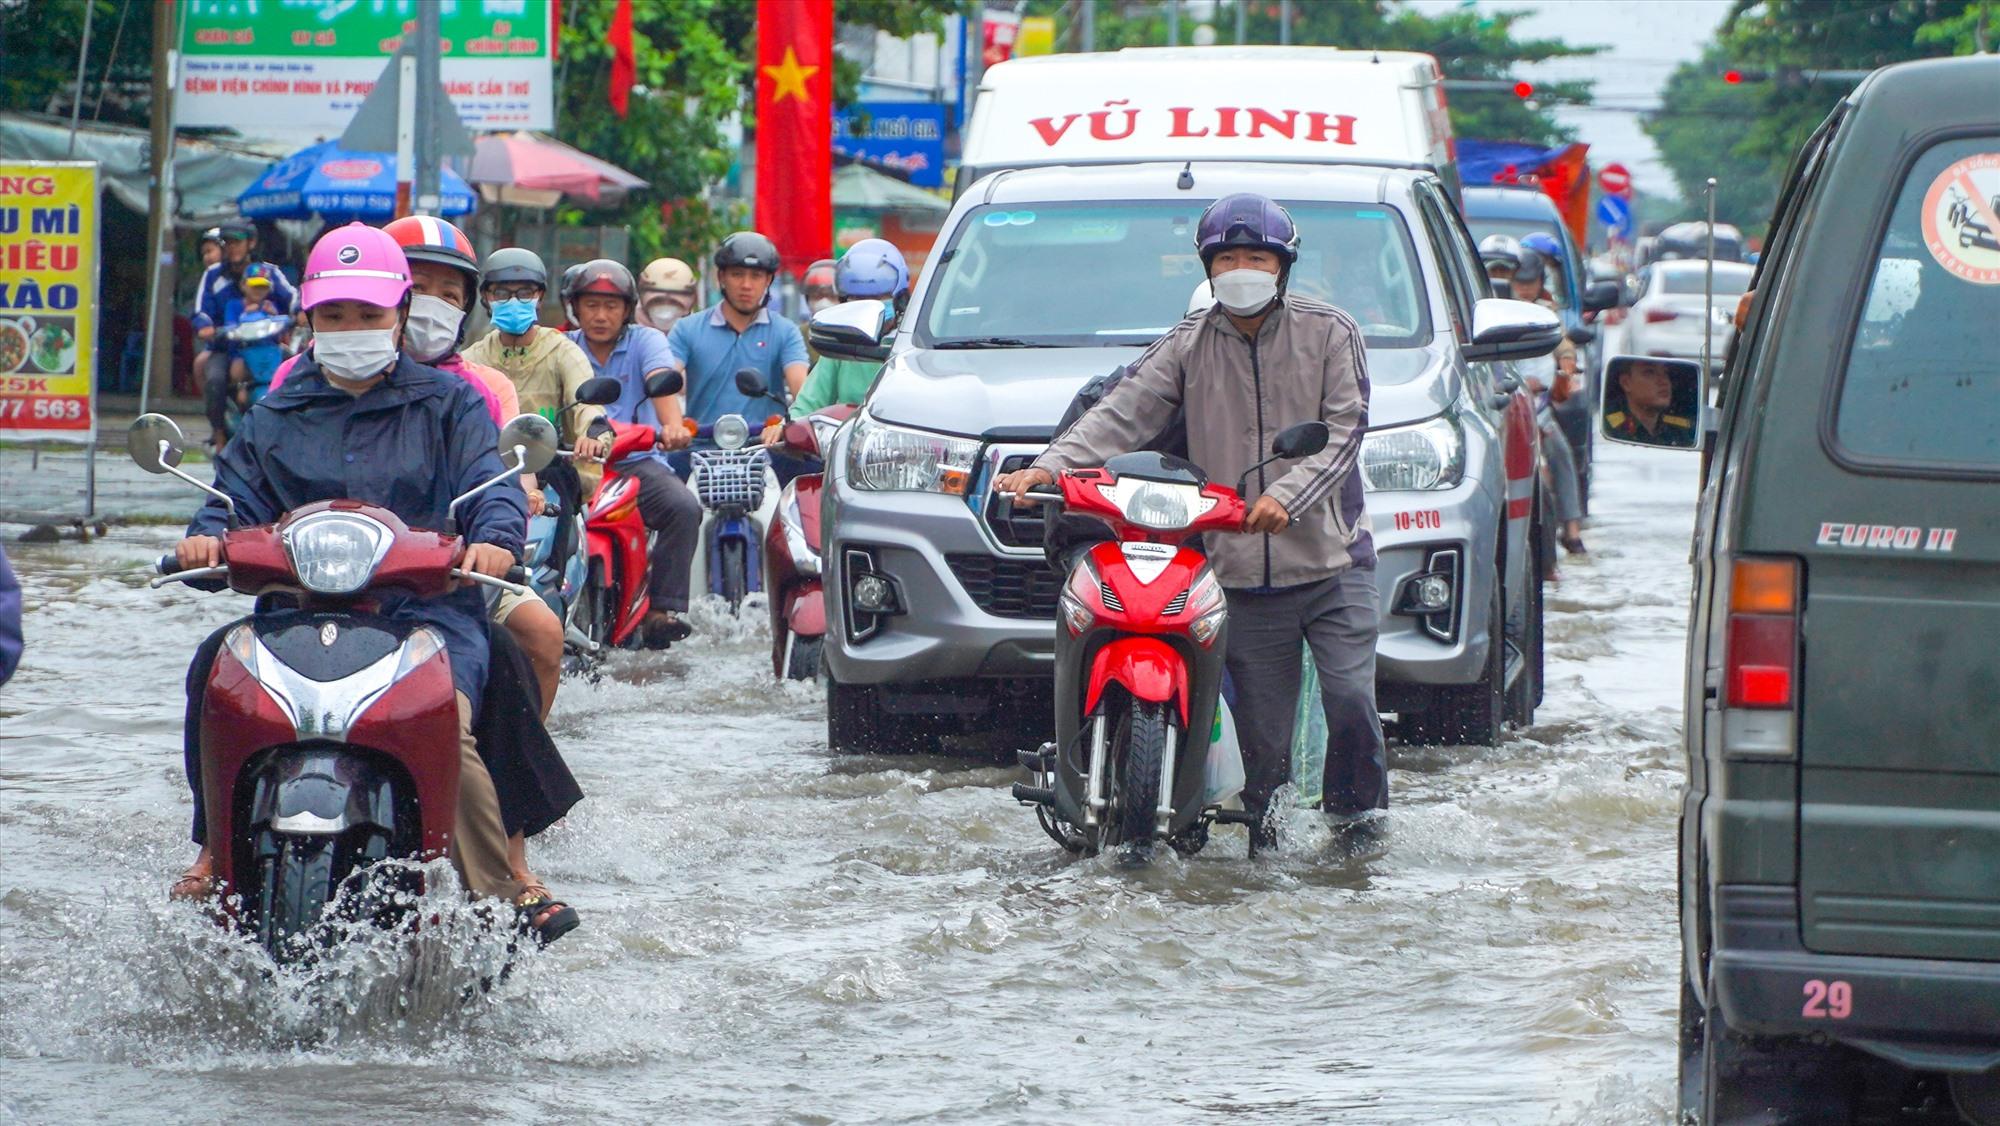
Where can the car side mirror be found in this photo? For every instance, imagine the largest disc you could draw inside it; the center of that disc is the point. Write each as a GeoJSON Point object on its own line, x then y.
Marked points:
{"type": "Point", "coordinates": [1599, 296]}
{"type": "Point", "coordinates": [1652, 401]}
{"type": "Point", "coordinates": [528, 443]}
{"type": "Point", "coordinates": [155, 442]}
{"type": "Point", "coordinates": [1302, 440]}
{"type": "Point", "coordinates": [668, 382]}
{"type": "Point", "coordinates": [601, 391]}
{"type": "Point", "coordinates": [852, 330]}
{"type": "Point", "coordinates": [1503, 329]}
{"type": "Point", "coordinates": [750, 384]}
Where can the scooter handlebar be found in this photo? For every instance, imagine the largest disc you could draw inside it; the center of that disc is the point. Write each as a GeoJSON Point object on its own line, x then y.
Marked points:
{"type": "Point", "coordinates": [510, 583]}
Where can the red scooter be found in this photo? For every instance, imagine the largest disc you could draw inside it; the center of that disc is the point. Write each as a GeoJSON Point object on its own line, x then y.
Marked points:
{"type": "Point", "coordinates": [1140, 637]}
{"type": "Point", "coordinates": [329, 733]}
{"type": "Point", "coordinates": [615, 598]}
{"type": "Point", "coordinates": [791, 552]}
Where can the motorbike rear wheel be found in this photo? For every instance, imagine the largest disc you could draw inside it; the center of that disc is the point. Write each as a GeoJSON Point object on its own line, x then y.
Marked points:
{"type": "Point", "coordinates": [1139, 747]}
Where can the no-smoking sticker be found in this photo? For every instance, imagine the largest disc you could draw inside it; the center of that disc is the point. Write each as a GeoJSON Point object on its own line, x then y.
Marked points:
{"type": "Point", "coordinates": [1962, 219]}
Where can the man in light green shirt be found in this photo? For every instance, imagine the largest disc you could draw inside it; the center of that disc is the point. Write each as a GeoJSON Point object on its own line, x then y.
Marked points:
{"type": "Point", "coordinates": [872, 269]}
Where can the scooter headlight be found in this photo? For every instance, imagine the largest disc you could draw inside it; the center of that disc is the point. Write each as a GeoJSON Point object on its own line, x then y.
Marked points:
{"type": "Point", "coordinates": [336, 552]}
{"type": "Point", "coordinates": [731, 432]}
{"type": "Point", "coordinates": [1161, 505]}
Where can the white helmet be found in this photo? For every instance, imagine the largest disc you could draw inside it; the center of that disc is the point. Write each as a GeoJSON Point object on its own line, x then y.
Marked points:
{"type": "Point", "coordinates": [1201, 299]}
{"type": "Point", "coordinates": [666, 292]}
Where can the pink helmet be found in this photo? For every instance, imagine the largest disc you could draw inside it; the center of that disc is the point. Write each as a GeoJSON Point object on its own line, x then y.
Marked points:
{"type": "Point", "coordinates": [356, 263]}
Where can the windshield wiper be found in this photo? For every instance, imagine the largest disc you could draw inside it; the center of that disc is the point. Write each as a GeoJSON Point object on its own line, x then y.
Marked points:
{"type": "Point", "coordinates": [989, 342]}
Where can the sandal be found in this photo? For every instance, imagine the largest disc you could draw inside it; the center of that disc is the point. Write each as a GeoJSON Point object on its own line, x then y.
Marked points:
{"type": "Point", "coordinates": [547, 917]}
{"type": "Point", "coordinates": [197, 883]}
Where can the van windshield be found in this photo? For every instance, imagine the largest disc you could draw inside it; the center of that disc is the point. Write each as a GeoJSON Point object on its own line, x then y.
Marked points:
{"type": "Point", "coordinates": [1107, 273]}
{"type": "Point", "coordinates": [1923, 378]}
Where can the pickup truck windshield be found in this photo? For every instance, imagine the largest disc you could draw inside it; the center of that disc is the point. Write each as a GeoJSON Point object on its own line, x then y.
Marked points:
{"type": "Point", "coordinates": [1121, 272]}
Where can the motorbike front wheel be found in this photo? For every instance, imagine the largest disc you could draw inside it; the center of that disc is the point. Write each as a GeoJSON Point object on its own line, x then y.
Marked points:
{"type": "Point", "coordinates": [803, 663]}
{"type": "Point", "coordinates": [299, 881]}
{"type": "Point", "coordinates": [735, 573]}
{"type": "Point", "coordinates": [1139, 748]}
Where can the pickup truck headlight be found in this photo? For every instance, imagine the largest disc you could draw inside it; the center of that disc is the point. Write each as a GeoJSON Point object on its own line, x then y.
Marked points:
{"type": "Point", "coordinates": [1428, 455]}
{"type": "Point", "coordinates": [888, 458]}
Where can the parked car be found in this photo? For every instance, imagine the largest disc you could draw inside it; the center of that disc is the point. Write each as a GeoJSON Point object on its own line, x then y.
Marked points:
{"type": "Point", "coordinates": [1840, 915]}
{"type": "Point", "coordinates": [943, 602]}
{"type": "Point", "coordinates": [1668, 318]}
{"type": "Point", "coordinates": [1522, 211]}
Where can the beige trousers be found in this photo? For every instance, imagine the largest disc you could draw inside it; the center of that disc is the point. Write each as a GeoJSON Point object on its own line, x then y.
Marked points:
{"type": "Point", "coordinates": [479, 842]}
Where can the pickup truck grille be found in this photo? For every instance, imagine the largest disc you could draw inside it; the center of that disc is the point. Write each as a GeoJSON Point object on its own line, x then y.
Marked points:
{"type": "Point", "coordinates": [1008, 588]}
{"type": "Point", "coordinates": [1011, 526]}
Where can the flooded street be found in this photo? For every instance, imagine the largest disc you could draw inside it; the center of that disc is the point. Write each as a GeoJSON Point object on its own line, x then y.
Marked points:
{"type": "Point", "coordinates": [773, 934]}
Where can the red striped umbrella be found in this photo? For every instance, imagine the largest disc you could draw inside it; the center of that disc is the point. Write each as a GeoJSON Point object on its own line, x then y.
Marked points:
{"type": "Point", "coordinates": [538, 163]}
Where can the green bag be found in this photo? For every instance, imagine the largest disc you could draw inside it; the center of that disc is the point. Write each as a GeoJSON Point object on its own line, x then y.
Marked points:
{"type": "Point", "coordinates": [1309, 737]}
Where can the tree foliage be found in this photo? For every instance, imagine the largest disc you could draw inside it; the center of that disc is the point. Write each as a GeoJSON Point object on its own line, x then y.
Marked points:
{"type": "Point", "coordinates": [38, 47]}
{"type": "Point", "coordinates": [1469, 45]}
{"type": "Point", "coordinates": [1745, 134]}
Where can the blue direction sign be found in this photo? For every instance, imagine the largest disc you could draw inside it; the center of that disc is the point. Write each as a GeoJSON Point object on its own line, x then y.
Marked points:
{"type": "Point", "coordinates": [1616, 215]}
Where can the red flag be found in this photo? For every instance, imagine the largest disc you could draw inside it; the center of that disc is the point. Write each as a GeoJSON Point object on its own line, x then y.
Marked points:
{"type": "Point", "coordinates": [624, 66]}
{"type": "Point", "coordinates": [795, 127]}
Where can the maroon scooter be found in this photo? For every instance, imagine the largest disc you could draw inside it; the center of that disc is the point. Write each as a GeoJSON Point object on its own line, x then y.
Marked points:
{"type": "Point", "coordinates": [791, 552]}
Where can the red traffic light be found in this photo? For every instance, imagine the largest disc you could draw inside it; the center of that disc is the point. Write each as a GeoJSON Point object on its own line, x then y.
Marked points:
{"type": "Point", "coordinates": [1523, 90]}
{"type": "Point", "coordinates": [1733, 77]}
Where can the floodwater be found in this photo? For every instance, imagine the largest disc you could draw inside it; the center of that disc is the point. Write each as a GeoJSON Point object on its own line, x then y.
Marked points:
{"type": "Point", "coordinates": [774, 934]}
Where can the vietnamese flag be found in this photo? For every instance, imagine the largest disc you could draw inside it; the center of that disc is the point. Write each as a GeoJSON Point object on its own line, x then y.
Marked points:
{"type": "Point", "coordinates": [795, 128]}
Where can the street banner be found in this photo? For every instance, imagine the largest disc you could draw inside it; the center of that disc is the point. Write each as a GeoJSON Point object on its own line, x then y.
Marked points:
{"type": "Point", "coordinates": [905, 136]}
{"type": "Point", "coordinates": [794, 125]}
{"type": "Point", "coordinates": [48, 300]}
{"type": "Point", "coordinates": [284, 68]}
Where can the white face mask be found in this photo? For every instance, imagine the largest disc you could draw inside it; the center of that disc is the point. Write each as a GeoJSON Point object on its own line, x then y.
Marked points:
{"type": "Point", "coordinates": [1245, 292]}
{"type": "Point", "coordinates": [433, 329]}
{"type": "Point", "coordinates": [355, 356]}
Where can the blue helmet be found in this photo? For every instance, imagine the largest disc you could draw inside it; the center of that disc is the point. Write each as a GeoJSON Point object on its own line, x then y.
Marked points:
{"type": "Point", "coordinates": [1247, 219]}
{"type": "Point", "coordinates": [1544, 244]}
{"type": "Point", "coordinates": [873, 268]}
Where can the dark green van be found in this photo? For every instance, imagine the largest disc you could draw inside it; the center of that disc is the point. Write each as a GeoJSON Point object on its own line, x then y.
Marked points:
{"type": "Point", "coordinates": [1840, 830]}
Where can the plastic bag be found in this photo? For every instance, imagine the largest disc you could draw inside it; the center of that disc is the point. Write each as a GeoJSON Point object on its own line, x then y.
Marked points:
{"type": "Point", "coordinates": [1309, 736]}
{"type": "Point", "coordinates": [1225, 759]}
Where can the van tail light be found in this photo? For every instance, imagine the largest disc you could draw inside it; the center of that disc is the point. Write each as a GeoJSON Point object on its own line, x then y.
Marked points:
{"type": "Point", "coordinates": [1655, 316]}
{"type": "Point", "coordinates": [1761, 658]}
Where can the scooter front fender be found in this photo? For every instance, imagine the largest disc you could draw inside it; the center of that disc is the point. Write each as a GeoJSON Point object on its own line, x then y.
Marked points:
{"type": "Point", "coordinates": [806, 616]}
{"type": "Point", "coordinates": [1147, 667]}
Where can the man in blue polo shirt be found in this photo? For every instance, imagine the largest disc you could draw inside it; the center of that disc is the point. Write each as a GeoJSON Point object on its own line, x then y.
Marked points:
{"type": "Point", "coordinates": [710, 346]}
{"type": "Point", "coordinates": [221, 284]}
{"type": "Point", "coordinates": [601, 298]}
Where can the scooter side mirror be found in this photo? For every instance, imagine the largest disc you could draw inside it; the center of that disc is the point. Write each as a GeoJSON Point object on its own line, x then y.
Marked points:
{"type": "Point", "coordinates": [1303, 440]}
{"type": "Point", "coordinates": [750, 384]}
{"type": "Point", "coordinates": [668, 382]}
{"type": "Point", "coordinates": [599, 392]}
{"type": "Point", "coordinates": [528, 443]}
{"type": "Point", "coordinates": [155, 442]}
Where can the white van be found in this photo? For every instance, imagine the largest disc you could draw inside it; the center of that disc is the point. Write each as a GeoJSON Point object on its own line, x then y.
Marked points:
{"type": "Point", "coordinates": [1268, 104]}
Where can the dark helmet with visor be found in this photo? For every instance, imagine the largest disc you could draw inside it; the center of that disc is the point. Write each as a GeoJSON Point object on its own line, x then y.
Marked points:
{"type": "Point", "coordinates": [1247, 219]}
{"type": "Point", "coordinates": [747, 248]}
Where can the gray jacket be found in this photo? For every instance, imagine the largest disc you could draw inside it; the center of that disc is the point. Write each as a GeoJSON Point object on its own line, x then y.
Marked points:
{"type": "Point", "coordinates": [1306, 362]}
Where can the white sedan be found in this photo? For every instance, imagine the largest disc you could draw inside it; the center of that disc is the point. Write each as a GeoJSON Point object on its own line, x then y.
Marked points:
{"type": "Point", "coordinates": [1667, 319]}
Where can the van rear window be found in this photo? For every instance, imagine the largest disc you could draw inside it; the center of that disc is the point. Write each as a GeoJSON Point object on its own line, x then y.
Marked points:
{"type": "Point", "coordinates": [1922, 385]}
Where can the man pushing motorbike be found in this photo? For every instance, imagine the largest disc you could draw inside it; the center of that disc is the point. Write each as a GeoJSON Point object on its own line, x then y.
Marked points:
{"type": "Point", "coordinates": [359, 419]}
{"type": "Point", "coordinates": [1260, 360]}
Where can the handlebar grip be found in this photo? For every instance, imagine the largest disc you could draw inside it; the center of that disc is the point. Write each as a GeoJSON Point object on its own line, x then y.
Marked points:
{"type": "Point", "coordinates": [598, 428]}
{"type": "Point", "coordinates": [517, 574]}
{"type": "Point", "coordinates": [168, 563]}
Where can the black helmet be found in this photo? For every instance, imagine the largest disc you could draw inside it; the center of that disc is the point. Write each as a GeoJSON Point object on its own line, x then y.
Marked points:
{"type": "Point", "coordinates": [747, 248]}
{"type": "Point", "coordinates": [599, 275]}
{"type": "Point", "coordinates": [1532, 268]}
{"type": "Point", "coordinates": [516, 264]}
{"type": "Point", "coordinates": [1247, 219]}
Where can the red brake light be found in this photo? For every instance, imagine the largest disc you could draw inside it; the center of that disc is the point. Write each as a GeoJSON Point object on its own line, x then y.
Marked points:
{"type": "Point", "coordinates": [1655, 316]}
{"type": "Point", "coordinates": [1762, 649]}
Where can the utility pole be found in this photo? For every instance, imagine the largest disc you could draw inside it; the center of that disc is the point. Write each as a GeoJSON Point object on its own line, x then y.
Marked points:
{"type": "Point", "coordinates": [82, 57]}
{"type": "Point", "coordinates": [1242, 11]}
{"type": "Point", "coordinates": [1173, 23]}
{"type": "Point", "coordinates": [1089, 25]}
{"type": "Point", "coordinates": [427, 147]}
{"type": "Point", "coordinates": [160, 205]}
{"type": "Point", "coordinates": [1284, 23]}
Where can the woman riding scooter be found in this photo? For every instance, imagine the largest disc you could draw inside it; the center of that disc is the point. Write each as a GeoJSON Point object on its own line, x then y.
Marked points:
{"type": "Point", "coordinates": [361, 420]}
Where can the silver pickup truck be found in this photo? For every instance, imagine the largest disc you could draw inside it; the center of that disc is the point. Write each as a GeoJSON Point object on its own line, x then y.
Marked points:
{"type": "Point", "coordinates": [940, 602]}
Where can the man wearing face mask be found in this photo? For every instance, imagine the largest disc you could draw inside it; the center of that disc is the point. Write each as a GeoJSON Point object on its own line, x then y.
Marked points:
{"type": "Point", "coordinates": [360, 419]}
{"type": "Point", "coordinates": [222, 283]}
{"type": "Point", "coordinates": [1260, 360]}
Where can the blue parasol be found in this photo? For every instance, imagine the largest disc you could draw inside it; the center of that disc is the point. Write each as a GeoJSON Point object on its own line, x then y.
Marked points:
{"type": "Point", "coordinates": [328, 180]}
